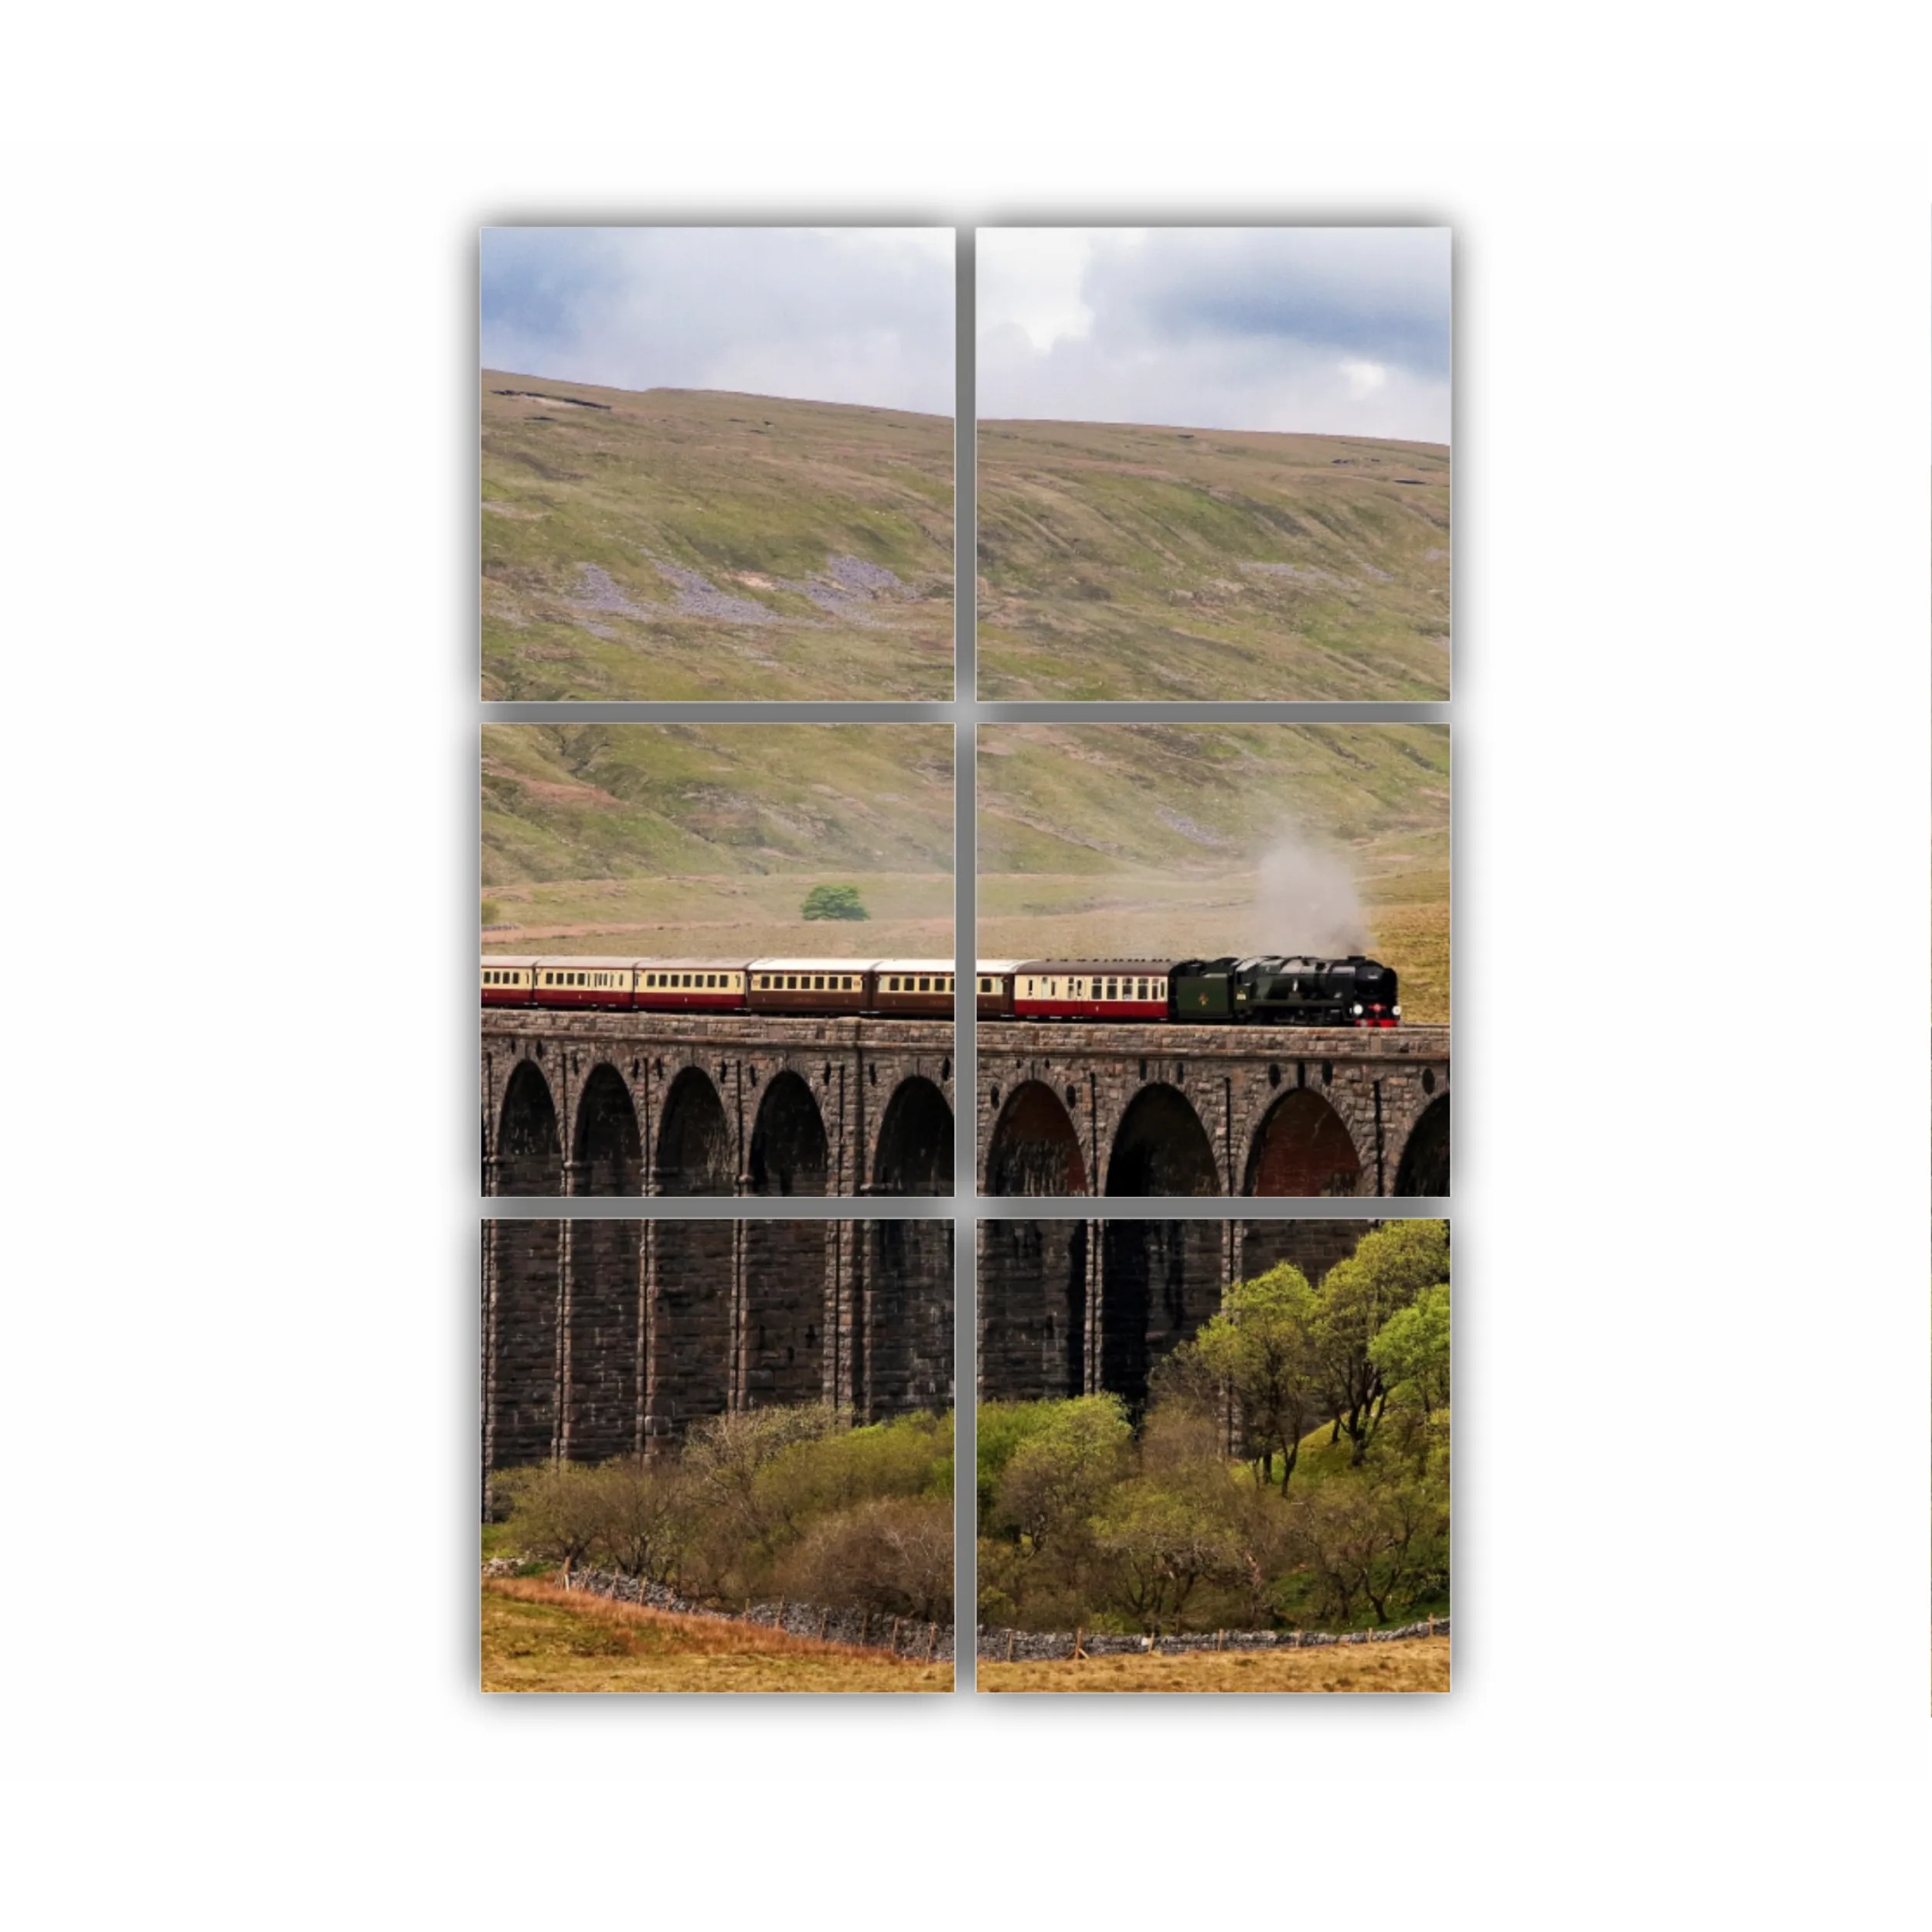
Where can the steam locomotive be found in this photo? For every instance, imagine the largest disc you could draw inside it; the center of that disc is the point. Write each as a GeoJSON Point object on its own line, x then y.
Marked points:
{"type": "Point", "coordinates": [1272, 990]}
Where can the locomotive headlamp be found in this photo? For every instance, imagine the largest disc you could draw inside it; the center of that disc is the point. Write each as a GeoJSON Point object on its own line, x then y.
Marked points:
{"type": "Point", "coordinates": [1355, 1012]}
{"type": "Point", "coordinates": [1396, 1011]}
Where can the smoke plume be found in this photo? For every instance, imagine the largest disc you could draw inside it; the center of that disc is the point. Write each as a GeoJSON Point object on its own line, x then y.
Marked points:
{"type": "Point", "coordinates": [1305, 901]}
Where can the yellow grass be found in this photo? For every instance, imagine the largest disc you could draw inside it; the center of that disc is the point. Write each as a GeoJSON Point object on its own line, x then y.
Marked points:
{"type": "Point", "coordinates": [539, 1637]}
{"type": "Point", "coordinates": [1418, 1664]}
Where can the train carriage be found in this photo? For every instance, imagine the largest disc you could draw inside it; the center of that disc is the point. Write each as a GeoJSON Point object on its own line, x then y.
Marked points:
{"type": "Point", "coordinates": [689, 985]}
{"type": "Point", "coordinates": [604, 983]}
{"type": "Point", "coordinates": [509, 980]}
{"type": "Point", "coordinates": [1102, 989]}
{"type": "Point", "coordinates": [914, 986]}
{"type": "Point", "coordinates": [994, 995]}
{"type": "Point", "coordinates": [829, 986]}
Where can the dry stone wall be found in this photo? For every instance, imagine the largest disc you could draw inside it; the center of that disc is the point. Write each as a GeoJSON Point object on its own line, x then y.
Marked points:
{"type": "Point", "coordinates": [1025, 1646]}
{"type": "Point", "coordinates": [901, 1636]}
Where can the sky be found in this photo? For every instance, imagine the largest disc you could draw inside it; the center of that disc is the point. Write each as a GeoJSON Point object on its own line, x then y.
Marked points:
{"type": "Point", "coordinates": [823, 315]}
{"type": "Point", "coordinates": [1328, 330]}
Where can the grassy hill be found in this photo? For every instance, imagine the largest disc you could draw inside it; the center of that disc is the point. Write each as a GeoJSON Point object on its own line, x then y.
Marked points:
{"type": "Point", "coordinates": [1154, 839]}
{"type": "Point", "coordinates": [1134, 561]}
{"type": "Point", "coordinates": [707, 837]}
{"type": "Point", "coordinates": [675, 543]}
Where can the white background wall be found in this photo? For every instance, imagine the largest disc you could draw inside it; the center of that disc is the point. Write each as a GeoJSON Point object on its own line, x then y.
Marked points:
{"type": "Point", "coordinates": [236, 1423]}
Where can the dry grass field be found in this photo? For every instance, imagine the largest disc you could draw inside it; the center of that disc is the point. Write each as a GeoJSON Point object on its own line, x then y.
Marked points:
{"type": "Point", "coordinates": [539, 1637]}
{"type": "Point", "coordinates": [1419, 1665]}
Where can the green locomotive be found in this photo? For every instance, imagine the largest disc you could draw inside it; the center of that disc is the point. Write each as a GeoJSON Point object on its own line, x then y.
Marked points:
{"type": "Point", "coordinates": [1354, 991]}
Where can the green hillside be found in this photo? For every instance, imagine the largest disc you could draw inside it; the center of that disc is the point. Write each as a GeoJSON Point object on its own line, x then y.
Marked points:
{"type": "Point", "coordinates": [707, 837]}
{"type": "Point", "coordinates": [1130, 561]}
{"type": "Point", "coordinates": [676, 544]}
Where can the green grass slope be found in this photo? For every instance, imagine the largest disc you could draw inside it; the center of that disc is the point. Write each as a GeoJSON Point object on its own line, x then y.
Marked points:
{"type": "Point", "coordinates": [707, 837]}
{"type": "Point", "coordinates": [672, 544]}
{"type": "Point", "coordinates": [1121, 561]}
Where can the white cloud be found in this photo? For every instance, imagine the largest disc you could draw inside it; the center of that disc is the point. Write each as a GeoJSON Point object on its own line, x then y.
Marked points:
{"type": "Point", "coordinates": [1363, 378]}
{"type": "Point", "coordinates": [841, 315]}
{"type": "Point", "coordinates": [1334, 331]}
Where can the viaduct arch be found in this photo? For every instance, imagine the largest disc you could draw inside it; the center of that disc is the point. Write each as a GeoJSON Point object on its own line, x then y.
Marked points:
{"type": "Point", "coordinates": [1164, 1110]}
{"type": "Point", "coordinates": [726, 1105]}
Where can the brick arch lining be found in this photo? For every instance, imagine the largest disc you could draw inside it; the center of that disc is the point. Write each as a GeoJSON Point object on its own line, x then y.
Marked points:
{"type": "Point", "coordinates": [1423, 1168]}
{"type": "Point", "coordinates": [1303, 1145]}
{"type": "Point", "coordinates": [913, 1152]}
{"type": "Point", "coordinates": [694, 1152]}
{"type": "Point", "coordinates": [530, 1136]}
{"type": "Point", "coordinates": [1035, 1147]}
{"type": "Point", "coordinates": [607, 1144]}
{"type": "Point", "coordinates": [789, 1151]}
{"type": "Point", "coordinates": [1160, 1145]}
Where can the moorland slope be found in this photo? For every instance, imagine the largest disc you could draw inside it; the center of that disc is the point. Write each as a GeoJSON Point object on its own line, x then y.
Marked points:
{"type": "Point", "coordinates": [706, 836]}
{"type": "Point", "coordinates": [1132, 561]}
{"type": "Point", "coordinates": [672, 544]}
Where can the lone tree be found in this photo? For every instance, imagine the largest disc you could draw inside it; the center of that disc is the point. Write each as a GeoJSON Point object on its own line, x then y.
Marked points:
{"type": "Point", "coordinates": [834, 901]}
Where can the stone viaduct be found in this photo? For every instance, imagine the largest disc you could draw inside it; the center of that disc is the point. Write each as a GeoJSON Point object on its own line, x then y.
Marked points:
{"type": "Point", "coordinates": [1085, 1307]}
{"type": "Point", "coordinates": [651, 1103]}
{"type": "Point", "coordinates": [1164, 1110]}
{"type": "Point", "coordinates": [610, 1338]}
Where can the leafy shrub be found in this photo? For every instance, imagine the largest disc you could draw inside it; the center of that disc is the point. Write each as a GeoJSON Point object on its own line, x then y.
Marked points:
{"type": "Point", "coordinates": [893, 1555]}
{"type": "Point", "coordinates": [834, 901]}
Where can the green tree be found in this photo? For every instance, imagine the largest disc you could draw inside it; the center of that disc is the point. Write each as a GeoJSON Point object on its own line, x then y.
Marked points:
{"type": "Point", "coordinates": [834, 901]}
{"type": "Point", "coordinates": [1003, 1428]}
{"type": "Point", "coordinates": [1261, 1346]}
{"type": "Point", "coordinates": [1162, 1543]}
{"type": "Point", "coordinates": [1061, 1476]}
{"type": "Point", "coordinates": [1375, 1537]}
{"type": "Point", "coordinates": [1388, 1272]}
{"type": "Point", "coordinates": [559, 1511]}
{"type": "Point", "coordinates": [1413, 1346]}
{"type": "Point", "coordinates": [647, 1523]}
